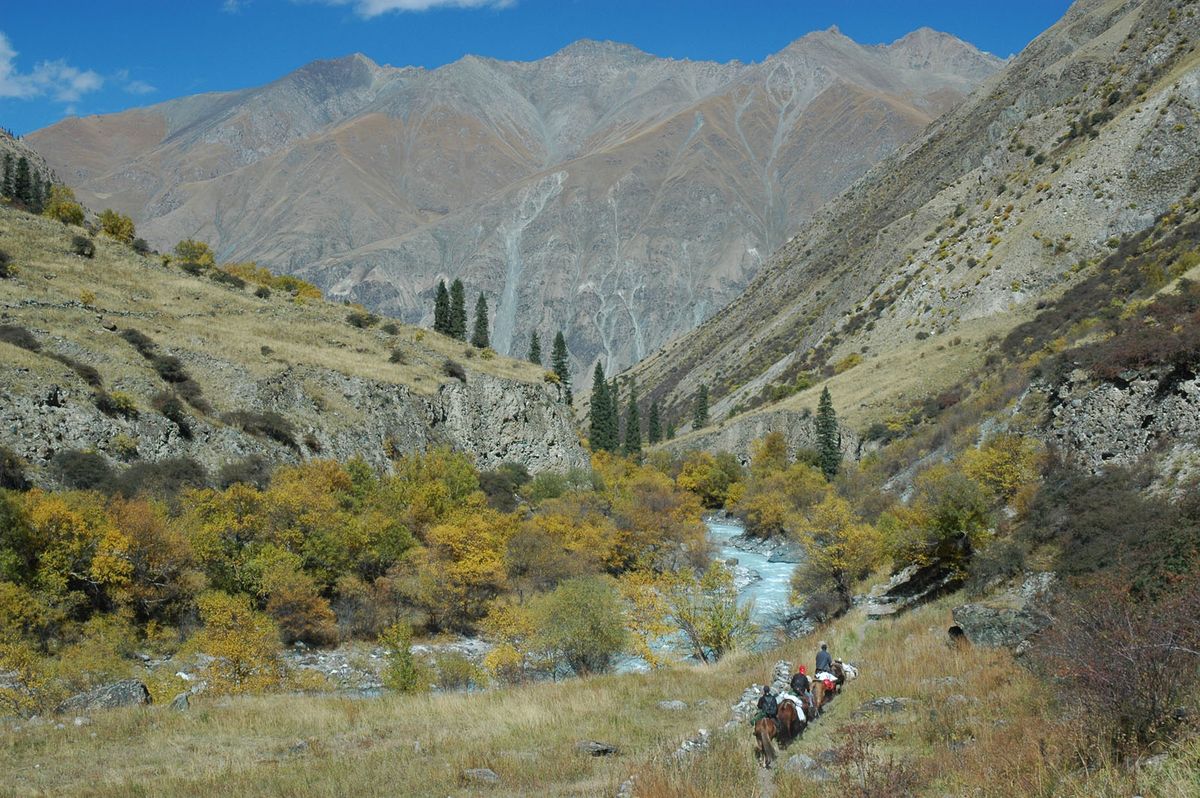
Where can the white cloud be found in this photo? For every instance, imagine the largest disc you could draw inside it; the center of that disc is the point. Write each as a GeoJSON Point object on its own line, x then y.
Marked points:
{"type": "Point", "coordinates": [373, 8]}
{"type": "Point", "coordinates": [139, 87]}
{"type": "Point", "coordinates": [55, 79]}
{"type": "Point", "coordinates": [233, 6]}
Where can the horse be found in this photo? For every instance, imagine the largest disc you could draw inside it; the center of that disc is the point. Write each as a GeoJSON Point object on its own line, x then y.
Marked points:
{"type": "Point", "coordinates": [790, 722]}
{"type": "Point", "coordinates": [764, 730]}
{"type": "Point", "coordinates": [821, 696]}
{"type": "Point", "coordinates": [842, 672]}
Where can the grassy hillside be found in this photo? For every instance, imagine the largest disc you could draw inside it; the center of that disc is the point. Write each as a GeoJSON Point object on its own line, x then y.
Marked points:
{"type": "Point", "coordinates": [977, 724]}
{"type": "Point", "coordinates": [211, 321]}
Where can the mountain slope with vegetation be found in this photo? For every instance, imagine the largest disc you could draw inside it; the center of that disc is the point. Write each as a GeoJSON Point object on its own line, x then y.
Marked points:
{"type": "Point", "coordinates": [1086, 137]}
{"type": "Point", "coordinates": [603, 191]}
{"type": "Point", "coordinates": [117, 353]}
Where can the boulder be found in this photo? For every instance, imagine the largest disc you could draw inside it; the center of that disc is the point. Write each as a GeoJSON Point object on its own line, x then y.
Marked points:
{"type": "Point", "coordinates": [1010, 618]}
{"type": "Point", "coordinates": [481, 776]}
{"type": "Point", "coordinates": [787, 553]}
{"type": "Point", "coordinates": [181, 702]}
{"type": "Point", "coordinates": [806, 766]}
{"type": "Point", "coordinates": [672, 706]}
{"type": "Point", "coordinates": [881, 706]}
{"type": "Point", "coordinates": [916, 585]}
{"type": "Point", "coordinates": [596, 748]}
{"type": "Point", "coordinates": [126, 693]}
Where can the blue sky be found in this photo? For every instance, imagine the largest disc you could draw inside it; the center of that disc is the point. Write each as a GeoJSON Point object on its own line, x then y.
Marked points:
{"type": "Point", "coordinates": [98, 57]}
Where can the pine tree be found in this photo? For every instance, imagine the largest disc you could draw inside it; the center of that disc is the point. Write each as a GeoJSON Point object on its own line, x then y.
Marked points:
{"type": "Point", "coordinates": [670, 430]}
{"type": "Point", "coordinates": [654, 425]}
{"type": "Point", "coordinates": [600, 431]}
{"type": "Point", "coordinates": [559, 362]}
{"type": "Point", "coordinates": [828, 438]}
{"type": "Point", "coordinates": [700, 410]}
{"type": "Point", "coordinates": [22, 182]}
{"type": "Point", "coordinates": [614, 409]}
{"type": "Point", "coordinates": [441, 309]}
{"type": "Point", "coordinates": [458, 311]}
{"type": "Point", "coordinates": [6, 189]}
{"type": "Point", "coordinates": [633, 424]}
{"type": "Point", "coordinates": [479, 337]}
{"type": "Point", "coordinates": [535, 349]}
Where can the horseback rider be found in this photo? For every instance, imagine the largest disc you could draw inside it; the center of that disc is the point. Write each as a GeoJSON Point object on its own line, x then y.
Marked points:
{"type": "Point", "coordinates": [768, 706]}
{"type": "Point", "coordinates": [824, 659]}
{"type": "Point", "coordinates": [800, 682]}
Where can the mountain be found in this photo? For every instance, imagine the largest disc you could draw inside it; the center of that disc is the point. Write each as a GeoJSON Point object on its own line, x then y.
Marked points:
{"type": "Point", "coordinates": [906, 283]}
{"type": "Point", "coordinates": [615, 195]}
{"type": "Point", "coordinates": [147, 364]}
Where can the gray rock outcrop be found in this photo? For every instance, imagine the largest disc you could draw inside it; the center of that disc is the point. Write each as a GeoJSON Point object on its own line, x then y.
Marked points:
{"type": "Point", "coordinates": [739, 433]}
{"type": "Point", "coordinates": [1009, 618]}
{"type": "Point", "coordinates": [125, 693]}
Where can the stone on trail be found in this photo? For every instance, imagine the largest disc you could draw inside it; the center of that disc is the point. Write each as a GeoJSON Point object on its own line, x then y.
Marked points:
{"type": "Point", "coordinates": [596, 748]}
{"type": "Point", "coordinates": [881, 706]}
{"type": "Point", "coordinates": [126, 693]}
{"type": "Point", "coordinates": [806, 766]}
{"type": "Point", "coordinates": [672, 706]}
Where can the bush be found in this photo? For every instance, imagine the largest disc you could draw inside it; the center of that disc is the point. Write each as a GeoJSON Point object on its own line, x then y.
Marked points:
{"type": "Point", "coordinates": [270, 425]}
{"type": "Point", "coordinates": [402, 672]}
{"type": "Point", "coordinates": [19, 336]}
{"type": "Point", "coordinates": [192, 268]}
{"type": "Point", "coordinates": [139, 341]}
{"type": "Point", "coordinates": [362, 319]}
{"type": "Point", "coordinates": [455, 671]}
{"type": "Point", "coordinates": [141, 247]}
{"type": "Point", "coordinates": [225, 278]}
{"type": "Point", "coordinates": [117, 226]}
{"type": "Point", "coordinates": [116, 404]}
{"type": "Point", "coordinates": [1000, 559]}
{"type": "Point", "coordinates": [7, 270]}
{"type": "Point", "coordinates": [79, 470]}
{"type": "Point", "coordinates": [397, 356]}
{"type": "Point", "coordinates": [255, 470]}
{"type": "Point", "coordinates": [262, 292]}
{"type": "Point", "coordinates": [390, 328]}
{"type": "Point", "coordinates": [501, 485]}
{"type": "Point", "coordinates": [161, 479]}
{"type": "Point", "coordinates": [169, 405]}
{"type": "Point", "coordinates": [455, 370]}
{"type": "Point", "coordinates": [83, 246]}
{"type": "Point", "coordinates": [12, 471]}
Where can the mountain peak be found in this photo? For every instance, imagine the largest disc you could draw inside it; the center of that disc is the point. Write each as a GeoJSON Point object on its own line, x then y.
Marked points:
{"type": "Point", "coordinates": [592, 48]}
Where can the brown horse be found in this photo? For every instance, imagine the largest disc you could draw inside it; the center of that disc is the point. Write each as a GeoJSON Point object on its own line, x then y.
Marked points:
{"type": "Point", "coordinates": [764, 730]}
{"type": "Point", "coordinates": [790, 723]}
{"type": "Point", "coordinates": [820, 696]}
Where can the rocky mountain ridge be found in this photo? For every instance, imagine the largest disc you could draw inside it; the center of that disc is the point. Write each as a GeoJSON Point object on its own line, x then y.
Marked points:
{"type": "Point", "coordinates": [1088, 136]}
{"type": "Point", "coordinates": [603, 191]}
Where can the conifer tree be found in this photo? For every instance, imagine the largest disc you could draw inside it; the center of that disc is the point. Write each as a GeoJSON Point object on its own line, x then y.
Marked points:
{"type": "Point", "coordinates": [633, 424]}
{"type": "Point", "coordinates": [828, 439]}
{"type": "Point", "coordinates": [700, 410]}
{"type": "Point", "coordinates": [614, 407]}
{"type": "Point", "coordinates": [535, 349]}
{"type": "Point", "coordinates": [479, 337]}
{"type": "Point", "coordinates": [670, 430]}
{"type": "Point", "coordinates": [458, 311]}
{"type": "Point", "coordinates": [441, 309]}
{"type": "Point", "coordinates": [653, 424]}
{"type": "Point", "coordinates": [559, 362]}
{"type": "Point", "coordinates": [22, 182]}
{"type": "Point", "coordinates": [6, 189]}
{"type": "Point", "coordinates": [601, 434]}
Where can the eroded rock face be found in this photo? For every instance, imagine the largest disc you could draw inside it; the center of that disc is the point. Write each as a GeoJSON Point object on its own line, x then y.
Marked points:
{"type": "Point", "coordinates": [335, 416]}
{"type": "Point", "coordinates": [1115, 423]}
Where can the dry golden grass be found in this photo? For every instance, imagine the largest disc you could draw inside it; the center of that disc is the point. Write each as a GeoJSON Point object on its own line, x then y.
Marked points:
{"type": "Point", "coordinates": [213, 323]}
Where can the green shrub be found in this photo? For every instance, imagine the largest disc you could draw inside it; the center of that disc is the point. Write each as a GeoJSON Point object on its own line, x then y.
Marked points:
{"type": "Point", "coordinates": [390, 328]}
{"type": "Point", "coordinates": [141, 247]}
{"type": "Point", "coordinates": [397, 356]}
{"type": "Point", "coordinates": [402, 673]}
{"type": "Point", "coordinates": [225, 278]}
{"type": "Point", "coordinates": [79, 470]}
{"type": "Point", "coordinates": [12, 471]}
{"type": "Point", "coordinates": [160, 479]}
{"type": "Point", "coordinates": [7, 270]}
{"type": "Point", "coordinates": [192, 268]}
{"type": "Point", "coordinates": [83, 246]}
{"type": "Point", "coordinates": [116, 404]}
{"type": "Point", "coordinates": [455, 370]}
{"type": "Point", "coordinates": [269, 424]}
{"type": "Point", "coordinates": [19, 336]}
{"type": "Point", "coordinates": [254, 470]}
{"type": "Point", "coordinates": [172, 408]}
{"type": "Point", "coordinates": [362, 319]}
{"type": "Point", "coordinates": [262, 292]}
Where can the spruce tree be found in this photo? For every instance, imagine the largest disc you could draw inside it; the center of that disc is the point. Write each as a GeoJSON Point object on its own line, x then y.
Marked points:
{"type": "Point", "coordinates": [22, 182]}
{"type": "Point", "coordinates": [614, 408]}
{"type": "Point", "coordinates": [6, 189]}
{"type": "Point", "coordinates": [633, 425]}
{"type": "Point", "coordinates": [559, 362]}
{"type": "Point", "coordinates": [700, 410]}
{"type": "Point", "coordinates": [479, 337]}
{"type": "Point", "coordinates": [458, 311]}
{"type": "Point", "coordinates": [600, 431]}
{"type": "Point", "coordinates": [535, 349]}
{"type": "Point", "coordinates": [829, 448]}
{"type": "Point", "coordinates": [653, 424]}
{"type": "Point", "coordinates": [670, 430]}
{"type": "Point", "coordinates": [441, 309]}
